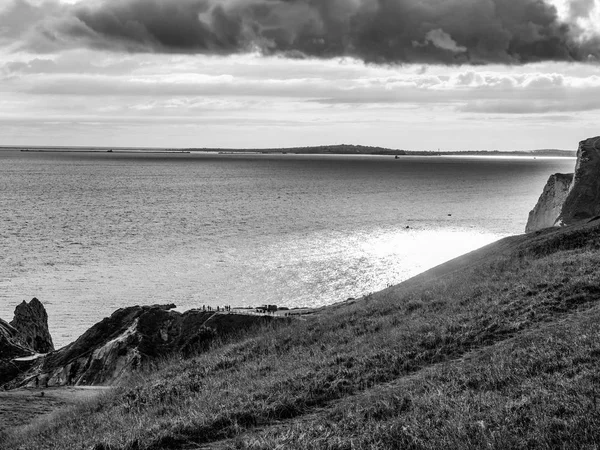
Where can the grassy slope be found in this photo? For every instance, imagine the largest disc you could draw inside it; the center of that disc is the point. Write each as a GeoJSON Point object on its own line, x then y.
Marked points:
{"type": "Point", "coordinates": [497, 349]}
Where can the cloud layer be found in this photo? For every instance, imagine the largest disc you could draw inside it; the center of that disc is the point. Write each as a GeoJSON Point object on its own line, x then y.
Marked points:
{"type": "Point", "coordinates": [380, 31]}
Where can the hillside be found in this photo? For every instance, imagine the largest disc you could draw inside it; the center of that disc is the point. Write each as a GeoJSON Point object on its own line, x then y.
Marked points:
{"type": "Point", "coordinates": [498, 349]}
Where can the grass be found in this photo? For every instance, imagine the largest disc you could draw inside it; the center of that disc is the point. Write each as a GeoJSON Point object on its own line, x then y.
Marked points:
{"type": "Point", "coordinates": [539, 390]}
{"type": "Point", "coordinates": [497, 349]}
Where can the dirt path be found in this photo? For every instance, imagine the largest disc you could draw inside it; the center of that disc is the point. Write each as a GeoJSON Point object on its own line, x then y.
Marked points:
{"type": "Point", "coordinates": [22, 406]}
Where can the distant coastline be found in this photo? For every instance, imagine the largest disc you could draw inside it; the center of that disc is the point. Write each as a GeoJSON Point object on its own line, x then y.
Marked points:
{"type": "Point", "coordinates": [342, 149]}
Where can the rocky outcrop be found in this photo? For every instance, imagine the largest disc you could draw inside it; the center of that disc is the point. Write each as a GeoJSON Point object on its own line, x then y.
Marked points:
{"type": "Point", "coordinates": [571, 198]}
{"type": "Point", "coordinates": [550, 203]}
{"type": "Point", "coordinates": [10, 349]}
{"type": "Point", "coordinates": [10, 346]}
{"type": "Point", "coordinates": [31, 324]}
{"type": "Point", "coordinates": [130, 338]}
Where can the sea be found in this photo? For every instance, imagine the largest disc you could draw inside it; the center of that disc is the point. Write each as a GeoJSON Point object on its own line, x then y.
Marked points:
{"type": "Point", "coordinates": [90, 232]}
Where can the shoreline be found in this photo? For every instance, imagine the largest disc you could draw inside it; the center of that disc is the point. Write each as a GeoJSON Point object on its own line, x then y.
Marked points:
{"type": "Point", "coordinates": [63, 338]}
{"type": "Point", "coordinates": [341, 150]}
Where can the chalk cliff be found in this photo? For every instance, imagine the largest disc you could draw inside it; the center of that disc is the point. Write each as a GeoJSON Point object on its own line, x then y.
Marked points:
{"type": "Point", "coordinates": [583, 201]}
{"type": "Point", "coordinates": [550, 203]}
{"type": "Point", "coordinates": [570, 198]}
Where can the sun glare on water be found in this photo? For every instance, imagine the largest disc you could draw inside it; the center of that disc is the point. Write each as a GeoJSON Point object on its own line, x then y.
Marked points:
{"type": "Point", "coordinates": [414, 251]}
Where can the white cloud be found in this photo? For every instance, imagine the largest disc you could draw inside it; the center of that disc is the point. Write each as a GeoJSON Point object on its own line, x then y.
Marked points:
{"type": "Point", "coordinates": [443, 40]}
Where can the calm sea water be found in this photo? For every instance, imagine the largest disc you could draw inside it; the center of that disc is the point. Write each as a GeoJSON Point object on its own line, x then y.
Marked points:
{"type": "Point", "coordinates": [88, 233]}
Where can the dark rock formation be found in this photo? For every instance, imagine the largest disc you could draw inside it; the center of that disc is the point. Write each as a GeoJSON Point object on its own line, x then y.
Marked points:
{"type": "Point", "coordinates": [129, 338]}
{"type": "Point", "coordinates": [571, 198]}
{"type": "Point", "coordinates": [31, 323]}
{"type": "Point", "coordinates": [11, 348]}
{"type": "Point", "coordinates": [10, 345]}
{"type": "Point", "coordinates": [583, 201]}
{"type": "Point", "coordinates": [550, 203]}
{"type": "Point", "coordinates": [22, 339]}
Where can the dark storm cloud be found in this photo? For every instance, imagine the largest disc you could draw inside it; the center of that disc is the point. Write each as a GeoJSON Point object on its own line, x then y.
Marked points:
{"type": "Point", "coordinates": [381, 31]}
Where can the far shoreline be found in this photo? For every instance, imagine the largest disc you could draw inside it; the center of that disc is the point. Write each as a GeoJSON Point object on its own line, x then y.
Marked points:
{"type": "Point", "coordinates": [343, 149]}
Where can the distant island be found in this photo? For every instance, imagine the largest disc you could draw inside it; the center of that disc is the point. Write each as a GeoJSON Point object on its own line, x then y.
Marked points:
{"type": "Point", "coordinates": [349, 149]}
{"type": "Point", "coordinates": [341, 149]}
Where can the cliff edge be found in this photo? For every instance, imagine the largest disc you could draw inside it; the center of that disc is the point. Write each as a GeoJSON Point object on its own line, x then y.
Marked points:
{"type": "Point", "coordinates": [550, 203]}
{"type": "Point", "coordinates": [583, 200]}
{"type": "Point", "coordinates": [570, 198]}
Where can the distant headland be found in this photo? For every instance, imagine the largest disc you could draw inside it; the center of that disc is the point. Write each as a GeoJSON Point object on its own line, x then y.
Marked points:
{"type": "Point", "coordinates": [340, 149]}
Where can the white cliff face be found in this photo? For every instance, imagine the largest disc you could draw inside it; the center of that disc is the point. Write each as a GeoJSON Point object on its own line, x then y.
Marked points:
{"type": "Point", "coordinates": [548, 208]}
{"type": "Point", "coordinates": [583, 201]}
{"type": "Point", "coordinates": [571, 198]}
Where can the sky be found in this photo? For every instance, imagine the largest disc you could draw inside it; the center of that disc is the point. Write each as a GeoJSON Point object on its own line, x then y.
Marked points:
{"type": "Point", "coordinates": [403, 74]}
